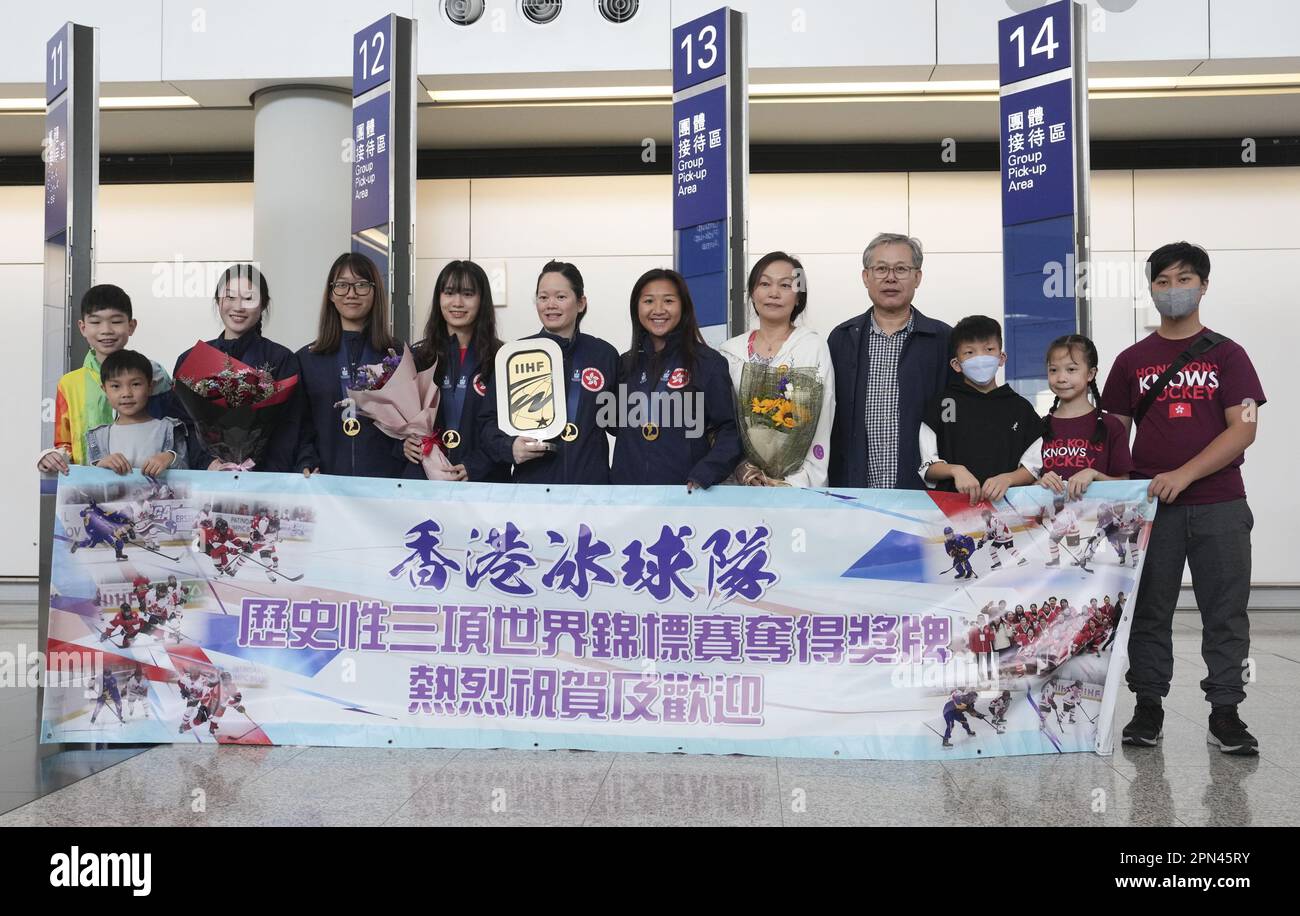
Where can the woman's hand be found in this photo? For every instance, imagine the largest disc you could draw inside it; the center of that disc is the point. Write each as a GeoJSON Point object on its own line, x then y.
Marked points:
{"type": "Point", "coordinates": [413, 449]}
{"type": "Point", "coordinates": [527, 449]}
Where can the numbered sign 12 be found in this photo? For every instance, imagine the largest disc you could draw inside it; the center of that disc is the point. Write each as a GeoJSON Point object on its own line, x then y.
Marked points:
{"type": "Point", "coordinates": [700, 50]}
{"type": "Point", "coordinates": [1034, 43]}
{"type": "Point", "coordinates": [372, 56]}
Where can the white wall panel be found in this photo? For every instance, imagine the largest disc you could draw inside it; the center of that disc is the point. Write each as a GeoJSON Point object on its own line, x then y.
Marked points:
{"type": "Point", "coordinates": [823, 213]}
{"type": "Point", "coordinates": [161, 222]}
{"type": "Point", "coordinates": [551, 217]}
{"type": "Point", "coordinates": [23, 224]}
{"type": "Point", "coordinates": [19, 348]}
{"type": "Point", "coordinates": [956, 211]}
{"type": "Point", "coordinates": [442, 218]}
{"type": "Point", "coordinates": [1222, 208]}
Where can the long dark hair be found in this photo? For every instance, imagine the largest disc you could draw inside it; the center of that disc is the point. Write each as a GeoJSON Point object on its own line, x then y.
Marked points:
{"type": "Point", "coordinates": [329, 333]}
{"type": "Point", "coordinates": [1070, 343]}
{"type": "Point", "coordinates": [458, 275]}
{"type": "Point", "coordinates": [689, 329]}
{"type": "Point", "coordinates": [256, 279]}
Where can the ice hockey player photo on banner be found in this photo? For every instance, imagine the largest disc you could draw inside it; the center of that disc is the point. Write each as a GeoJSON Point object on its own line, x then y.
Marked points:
{"type": "Point", "coordinates": [273, 609]}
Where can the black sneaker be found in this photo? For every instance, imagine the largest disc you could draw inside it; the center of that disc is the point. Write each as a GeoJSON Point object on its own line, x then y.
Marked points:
{"type": "Point", "coordinates": [1144, 729]}
{"type": "Point", "coordinates": [1229, 732]}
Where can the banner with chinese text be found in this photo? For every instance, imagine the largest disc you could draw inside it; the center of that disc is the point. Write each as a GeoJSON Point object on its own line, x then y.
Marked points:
{"type": "Point", "coordinates": [274, 609]}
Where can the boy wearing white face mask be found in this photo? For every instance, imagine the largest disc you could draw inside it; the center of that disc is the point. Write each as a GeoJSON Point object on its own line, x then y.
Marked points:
{"type": "Point", "coordinates": [1193, 395]}
{"type": "Point", "coordinates": [977, 437]}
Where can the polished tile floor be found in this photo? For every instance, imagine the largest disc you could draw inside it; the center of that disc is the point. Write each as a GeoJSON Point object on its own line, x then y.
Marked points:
{"type": "Point", "coordinates": [1183, 782]}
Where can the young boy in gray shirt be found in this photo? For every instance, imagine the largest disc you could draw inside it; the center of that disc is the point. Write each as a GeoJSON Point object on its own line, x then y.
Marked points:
{"type": "Point", "coordinates": [135, 439]}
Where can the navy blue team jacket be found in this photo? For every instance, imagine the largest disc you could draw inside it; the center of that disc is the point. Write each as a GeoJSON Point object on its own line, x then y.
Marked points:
{"type": "Point", "coordinates": [673, 458]}
{"type": "Point", "coordinates": [257, 351]}
{"type": "Point", "coordinates": [322, 442]}
{"type": "Point", "coordinates": [464, 380]}
{"type": "Point", "coordinates": [590, 368]}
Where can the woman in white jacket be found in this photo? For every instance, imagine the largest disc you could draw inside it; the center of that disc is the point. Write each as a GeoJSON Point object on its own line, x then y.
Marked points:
{"type": "Point", "coordinates": [802, 389]}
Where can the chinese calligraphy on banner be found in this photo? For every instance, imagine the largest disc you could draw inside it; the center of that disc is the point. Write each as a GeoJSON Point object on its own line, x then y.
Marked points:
{"type": "Point", "coordinates": [273, 609]}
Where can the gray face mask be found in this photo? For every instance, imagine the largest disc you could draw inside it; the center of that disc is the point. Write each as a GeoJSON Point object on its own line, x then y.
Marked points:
{"type": "Point", "coordinates": [1176, 302]}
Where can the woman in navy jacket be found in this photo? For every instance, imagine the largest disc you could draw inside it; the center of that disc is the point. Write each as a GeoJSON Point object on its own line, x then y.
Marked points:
{"type": "Point", "coordinates": [669, 362]}
{"type": "Point", "coordinates": [581, 453]}
{"type": "Point", "coordinates": [461, 338]}
{"type": "Point", "coordinates": [243, 299]}
{"type": "Point", "coordinates": [353, 332]}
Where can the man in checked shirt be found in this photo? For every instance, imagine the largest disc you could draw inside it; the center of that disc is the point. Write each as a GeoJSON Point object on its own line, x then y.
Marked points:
{"type": "Point", "coordinates": [889, 363]}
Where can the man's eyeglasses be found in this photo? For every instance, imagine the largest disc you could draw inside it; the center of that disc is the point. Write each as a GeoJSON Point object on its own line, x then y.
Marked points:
{"type": "Point", "coordinates": [360, 287]}
{"type": "Point", "coordinates": [902, 271]}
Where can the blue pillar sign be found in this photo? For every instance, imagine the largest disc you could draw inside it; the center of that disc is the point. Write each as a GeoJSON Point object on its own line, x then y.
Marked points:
{"type": "Point", "coordinates": [1043, 138]}
{"type": "Point", "coordinates": [370, 170]}
{"type": "Point", "coordinates": [70, 153]}
{"type": "Point", "coordinates": [54, 147]}
{"type": "Point", "coordinates": [383, 157]}
{"type": "Point", "coordinates": [710, 134]}
{"type": "Point", "coordinates": [54, 150]}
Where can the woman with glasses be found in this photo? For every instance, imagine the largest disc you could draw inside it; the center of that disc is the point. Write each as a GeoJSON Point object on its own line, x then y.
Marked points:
{"type": "Point", "coordinates": [461, 339]}
{"type": "Point", "coordinates": [682, 428]}
{"type": "Point", "coordinates": [353, 332]}
{"type": "Point", "coordinates": [243, 299]}
{"type": "Point", "coordinates": [784, 383]}
{"type": "Point", "coordinates": [581, 452]}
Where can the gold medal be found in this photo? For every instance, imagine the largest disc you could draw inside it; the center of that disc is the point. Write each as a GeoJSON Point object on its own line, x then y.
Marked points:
{"type": "Point", "coordinates": [351, 426]}
{"type": "Point", "coordinates": [451, 438]}
{"type": "Point", "coordinates": [570, 432]}
{"type": "Point", "coordinates": [650, 432]}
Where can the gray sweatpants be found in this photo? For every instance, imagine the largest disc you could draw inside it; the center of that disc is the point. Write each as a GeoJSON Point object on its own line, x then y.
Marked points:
{"type": "Point", "coordinates": [1214, 540]}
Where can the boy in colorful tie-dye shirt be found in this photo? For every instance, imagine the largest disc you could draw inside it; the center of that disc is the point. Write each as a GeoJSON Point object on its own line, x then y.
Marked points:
{"type": "Point", "coordinates": [107, 324]}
